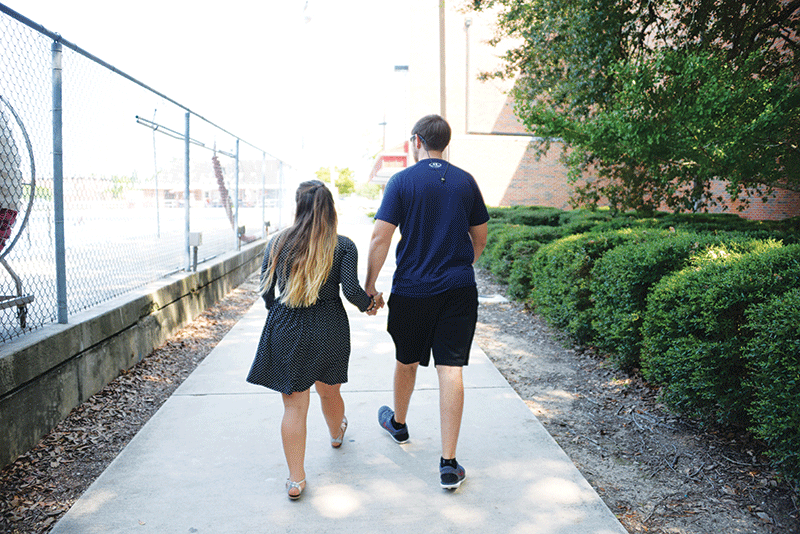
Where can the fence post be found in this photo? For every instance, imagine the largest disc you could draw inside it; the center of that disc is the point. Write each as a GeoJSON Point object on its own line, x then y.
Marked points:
{"type": "Point", "coordinates": [186, 193]}
{"type": "Point", "coordinates": [58, 187]}
{"type": "Point", "coordinates": [281, 194]}
{"type": "Point", "coordinates": [236, 201]}
{"type": "Point", "coordinates": [264, 231]}
{"type": "Point", "coordinates": [155, 177]}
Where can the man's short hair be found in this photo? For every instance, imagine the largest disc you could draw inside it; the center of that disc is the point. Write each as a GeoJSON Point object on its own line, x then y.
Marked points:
{"type": "Point", "coordinates": [434, 131]}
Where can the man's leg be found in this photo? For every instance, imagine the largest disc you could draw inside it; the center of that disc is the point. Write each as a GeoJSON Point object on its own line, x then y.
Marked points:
{"type": "Point", "coordinates": [451, 407]}
{"type": "Point", "coordinates": [405, 377]}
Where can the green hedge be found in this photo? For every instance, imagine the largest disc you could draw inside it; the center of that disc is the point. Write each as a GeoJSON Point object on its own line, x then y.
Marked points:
{"type": "Point", "coordinates": [622, 279]}
{"type": "Point", "coordinates": [584, 220]}
{"type": "Point", "coordinates": [694, 330]}
{"type": "Point", "coordinates": [502, 251]}
{"type": "Point", "coordinates": [527, 215]}
{"type": "Point", "coordinates": [560, 276]}
{"type": "Point", "coordinates": [707, 304]}
{"type": "Point", "coordinates": [774, 355]}
{"type": "Point", "coordinates": [497, 254]}
{"type": "Point", "coordinates": [519, 279]}
{"type": "Point", "coordinates": [497, 227]}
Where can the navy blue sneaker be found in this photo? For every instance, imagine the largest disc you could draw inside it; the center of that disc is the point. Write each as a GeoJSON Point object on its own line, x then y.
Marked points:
{"type": "Point", "coordinates": [385, 415]}
{"type": "Point", "coordinates": [452, 477]}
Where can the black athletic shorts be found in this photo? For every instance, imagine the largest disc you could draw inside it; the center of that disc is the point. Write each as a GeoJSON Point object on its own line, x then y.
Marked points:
{"type": "Point", "coordinates": [443, 323]}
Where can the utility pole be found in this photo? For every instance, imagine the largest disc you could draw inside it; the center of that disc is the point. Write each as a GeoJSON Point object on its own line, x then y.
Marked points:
{"type": "Point", "coordinates": [467, 24]}
{"type": "Point", "coordinates": [383, 147]}
{"type": "Point", "coordinates": [442, 77]}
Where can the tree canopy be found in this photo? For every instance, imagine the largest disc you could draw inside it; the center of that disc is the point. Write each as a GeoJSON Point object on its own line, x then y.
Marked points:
{"type": "Point", "coordinates": [345, 183]}
{"type": "Point", "coordinates": [323, 174]}
{"type": "Point", "coordinates": [657, 98]}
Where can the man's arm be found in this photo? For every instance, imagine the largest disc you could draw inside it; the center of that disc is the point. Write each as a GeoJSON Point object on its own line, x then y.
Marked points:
{"type": "Point", "coordinates": [378, 250]}
{"type": "Point", "coordinates": [478, 235]}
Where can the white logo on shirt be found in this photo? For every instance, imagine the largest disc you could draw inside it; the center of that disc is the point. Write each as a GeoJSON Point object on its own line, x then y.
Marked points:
{"type": "Point", "coordinates": [435, 164]}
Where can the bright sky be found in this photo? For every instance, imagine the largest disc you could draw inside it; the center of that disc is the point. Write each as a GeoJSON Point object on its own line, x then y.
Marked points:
{"type": "Point", "coordinates": [308, 81]}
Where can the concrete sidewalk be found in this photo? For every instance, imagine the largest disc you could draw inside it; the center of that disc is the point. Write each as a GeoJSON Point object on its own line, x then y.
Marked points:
{"type": "Point", "coordinates": [210, 460]}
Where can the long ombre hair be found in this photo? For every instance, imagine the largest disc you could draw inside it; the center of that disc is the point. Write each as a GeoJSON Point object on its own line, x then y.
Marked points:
{"type": "Point", "coordinates": [309, 244]}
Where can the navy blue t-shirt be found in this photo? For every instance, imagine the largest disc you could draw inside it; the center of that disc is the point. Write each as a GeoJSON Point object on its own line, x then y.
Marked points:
{"type": "Point", "coordinates": [434, 204]}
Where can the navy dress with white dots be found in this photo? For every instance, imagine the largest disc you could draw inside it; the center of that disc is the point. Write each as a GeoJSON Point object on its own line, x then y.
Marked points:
{"type": "Point", "coordinates": [301, 345]}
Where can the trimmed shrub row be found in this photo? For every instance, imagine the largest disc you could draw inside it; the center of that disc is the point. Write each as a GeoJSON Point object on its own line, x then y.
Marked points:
{"type": "Point", "coordinates": [623, 277]}
{"type": "Point", "coordinates": [695, 329]}
{"type": "Point", "coordinates": [706, 305]}
{"type": "Point", "coordinates": [774, 354]}
{"type": "Point", "coordinates": [561, 274]}
{"type": "Point", "coordinates": [507, 240]}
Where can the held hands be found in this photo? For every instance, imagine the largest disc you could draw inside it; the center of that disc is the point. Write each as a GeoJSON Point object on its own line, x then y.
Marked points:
{"type": "Point", "coordinates": [376, 303]}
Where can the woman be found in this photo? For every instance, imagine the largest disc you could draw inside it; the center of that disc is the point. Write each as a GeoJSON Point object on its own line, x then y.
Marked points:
{"type": "Point", "coordinates": [306, 338]}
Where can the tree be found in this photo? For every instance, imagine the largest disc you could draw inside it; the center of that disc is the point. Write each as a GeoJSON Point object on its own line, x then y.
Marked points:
{"type": "Point", "coordinates": [118, 186]}
{"type": "Point", "coordinates": [370, 191]}
{"type": "Point", "coordinates": [344, 182]}
{"type": "Point", "coordinates": [324, 174]}
{"type": "Point", "coordinates": [660, 97]}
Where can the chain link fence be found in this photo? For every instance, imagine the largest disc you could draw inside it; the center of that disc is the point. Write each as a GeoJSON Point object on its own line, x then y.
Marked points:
{"type": "Point", "coordinates": [107, 185]}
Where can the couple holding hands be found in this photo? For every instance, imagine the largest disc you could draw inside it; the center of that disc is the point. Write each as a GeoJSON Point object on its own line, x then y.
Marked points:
{"type": "Point", "coordinates": [433, 305]}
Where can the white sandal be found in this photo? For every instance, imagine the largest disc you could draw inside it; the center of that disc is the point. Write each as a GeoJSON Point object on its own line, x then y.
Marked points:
{"type": "Point", "coordinates": [294, 485]}
{"type": "Point", "coordinates": [337, 442]}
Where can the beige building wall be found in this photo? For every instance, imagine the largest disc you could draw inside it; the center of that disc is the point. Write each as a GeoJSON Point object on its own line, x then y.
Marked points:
{"type": "Point", "coordinates": [488, 141]}
{"type": "Point", "coordinates": [486, 99]}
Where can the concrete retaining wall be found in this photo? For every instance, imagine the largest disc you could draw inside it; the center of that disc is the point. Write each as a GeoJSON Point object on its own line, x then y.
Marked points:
{"type": "Point", "coordinates": [46, 374]}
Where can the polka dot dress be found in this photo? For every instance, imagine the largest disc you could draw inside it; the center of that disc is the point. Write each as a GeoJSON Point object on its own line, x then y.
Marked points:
{"type": "Point", "coordinates": [300, 346]}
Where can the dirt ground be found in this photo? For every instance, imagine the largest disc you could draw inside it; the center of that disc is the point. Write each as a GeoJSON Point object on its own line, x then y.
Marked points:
{"type": "Point", "coordinates": [657, 472]}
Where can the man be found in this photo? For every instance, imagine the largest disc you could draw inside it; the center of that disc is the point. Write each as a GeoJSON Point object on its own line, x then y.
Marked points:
{"type": "Point", "coordinates": [433, 305]}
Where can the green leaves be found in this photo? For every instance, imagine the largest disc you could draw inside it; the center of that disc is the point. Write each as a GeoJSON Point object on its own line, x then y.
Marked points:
{"type": "Point", "coordinates": [658, 98]}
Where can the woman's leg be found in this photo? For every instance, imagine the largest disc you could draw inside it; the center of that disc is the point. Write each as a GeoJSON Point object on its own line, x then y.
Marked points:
{"type": "Point", "coordinates": [293, 432]}
{"type": "Point", "coordinates": [332, 407]}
